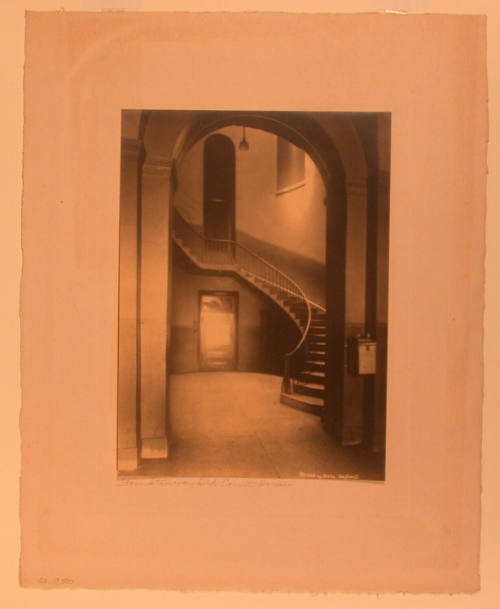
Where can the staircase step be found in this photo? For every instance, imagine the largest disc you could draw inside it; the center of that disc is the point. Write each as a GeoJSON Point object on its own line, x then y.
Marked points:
{"type": "Point", "coordinates": [300, 306]}
{"type": "Point", "coordinates": [316, 343]}
{"type": "Point", "coordinates": [316, 376]}
{"type": "Point", "coordinates": [317, 356]}
{"type": "Point", "coordinates": [316, 347]}
{"type": "Point", "coordinates": [314, 365]}
{"type": "Point", "coordinates": [314, 331]}
{"type": "Point", "coordinates": [297, 311]}
{"type": "Point", "coordinates": [293, 300]}
{"type": "Point", "coordinates": [296, 317]}
{"type": "Point", "coordinates": [311, 389]}
{"type": "Point", "coordinates": [305, 403]}
{"type": "Point", "coordinates": [276, 292]}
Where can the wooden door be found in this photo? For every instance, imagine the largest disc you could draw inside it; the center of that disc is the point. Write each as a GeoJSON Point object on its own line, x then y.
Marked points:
{"type": "Point", "coordinates": [218, 187]}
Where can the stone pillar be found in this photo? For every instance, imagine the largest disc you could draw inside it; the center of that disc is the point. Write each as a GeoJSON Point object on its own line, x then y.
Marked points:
{"type": "Point", "coordinates": [356, 259]}
{"type": "Point", "coordinates": [336, 224]}
{"type": "Point", "coordinates": [154, 274]}
{"type": "Point", "coordinates": [346, 295]}
{"type": "Point", "coordinates": [356, 254]}
{"type": "Point", "coordinates": [132, 154]}
{"type": "Point", "coordinates": [377, 280]}
{"type": "Point", "coordinates": [380, 394]}
{"type": "Point", "coordinates": [381, 282]}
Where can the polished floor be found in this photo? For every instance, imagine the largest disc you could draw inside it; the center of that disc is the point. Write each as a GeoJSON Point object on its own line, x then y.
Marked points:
{"type": "Point", "coordinates": [232, 425]}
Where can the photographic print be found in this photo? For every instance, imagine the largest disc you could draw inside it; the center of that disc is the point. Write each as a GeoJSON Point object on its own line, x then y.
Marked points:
{"type": "Point", "coordinates": [252, 300]}
{"type": "Point", "coordinates": [253, 294]}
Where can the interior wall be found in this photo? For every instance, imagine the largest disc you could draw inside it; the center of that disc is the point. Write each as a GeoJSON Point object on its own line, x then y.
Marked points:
{"type": "Point", "coordinates": [293, 220]}
{"type": "Point", "coordinates": [308, 273]}
{"type": "Point", "coordinates": [264, 333]}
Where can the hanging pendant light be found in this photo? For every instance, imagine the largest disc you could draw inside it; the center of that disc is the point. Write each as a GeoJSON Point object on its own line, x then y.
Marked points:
{"type": "Point", "coordinates": [243, 145]}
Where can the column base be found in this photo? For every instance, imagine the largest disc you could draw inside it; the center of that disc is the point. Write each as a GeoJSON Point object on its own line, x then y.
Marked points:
{"type": "Point", "coordinates": [154, 448]}
{"type": "Point", "coordinates": [128, 459]}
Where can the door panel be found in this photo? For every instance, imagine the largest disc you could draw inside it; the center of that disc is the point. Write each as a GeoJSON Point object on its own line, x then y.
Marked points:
{"type": "Point", "coordinates": [218, 187]}
{"type": "Point", "coordinates": [218, 330]}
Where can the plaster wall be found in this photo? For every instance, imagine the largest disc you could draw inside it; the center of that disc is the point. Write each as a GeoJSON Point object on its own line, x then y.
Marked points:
{"type": "Point", "coordinates": [293, 220]}
{"type": "Point", "coordinates": [264, 334]}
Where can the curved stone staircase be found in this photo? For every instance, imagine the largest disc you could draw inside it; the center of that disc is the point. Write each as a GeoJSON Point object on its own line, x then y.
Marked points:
{"type": "Point", "coordinates": [308, 387]}
{"type": "Point", "coordinates": [303, 384]}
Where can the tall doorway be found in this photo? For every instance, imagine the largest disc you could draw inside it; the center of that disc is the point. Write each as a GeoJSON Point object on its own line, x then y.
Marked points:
{"type": "Point", "coordinates": [219, 187]}
{"type": "Point", "coordinates": [218, 330]}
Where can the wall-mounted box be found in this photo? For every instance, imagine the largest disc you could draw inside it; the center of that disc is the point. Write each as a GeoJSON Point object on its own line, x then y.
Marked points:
{"type": "Point", "coordinates": [361, 355]}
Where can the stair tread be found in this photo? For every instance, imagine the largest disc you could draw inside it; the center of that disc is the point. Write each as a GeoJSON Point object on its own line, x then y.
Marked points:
{"type": "Point", "coordinates": [306, 399]}
{"type": "Point", "coordinates": [309, 399]}
{"type": "Point", "coordinates": [310, 385]}
{"type": "Point", "coordinates": [317, 392]}
{"type": "Point", "coordinates": [317, 373]}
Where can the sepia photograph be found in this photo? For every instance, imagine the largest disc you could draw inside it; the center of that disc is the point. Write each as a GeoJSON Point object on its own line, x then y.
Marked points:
{"type": "Point", "coordinates": [251, 303]}
{"type": "Point", "coordinates": [253, 294]}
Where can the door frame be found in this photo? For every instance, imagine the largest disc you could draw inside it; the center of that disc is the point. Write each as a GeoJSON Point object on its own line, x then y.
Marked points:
{"type": "Point", "coordinates": [232, 203]}
{"type": "Point", "coordinates": [235, 294]}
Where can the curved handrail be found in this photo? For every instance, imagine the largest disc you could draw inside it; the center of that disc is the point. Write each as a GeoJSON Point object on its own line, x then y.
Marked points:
{"type": "Point", "coordinates": [232, 242]}
{"type": "Point", "coordinates": [317, 306]}
{"type": "Point", "coordinates": [284, 282]}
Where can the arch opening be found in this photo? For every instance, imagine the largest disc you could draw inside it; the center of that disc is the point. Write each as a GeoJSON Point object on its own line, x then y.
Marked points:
{"type": "Point", "coordinates": [203, 245]}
